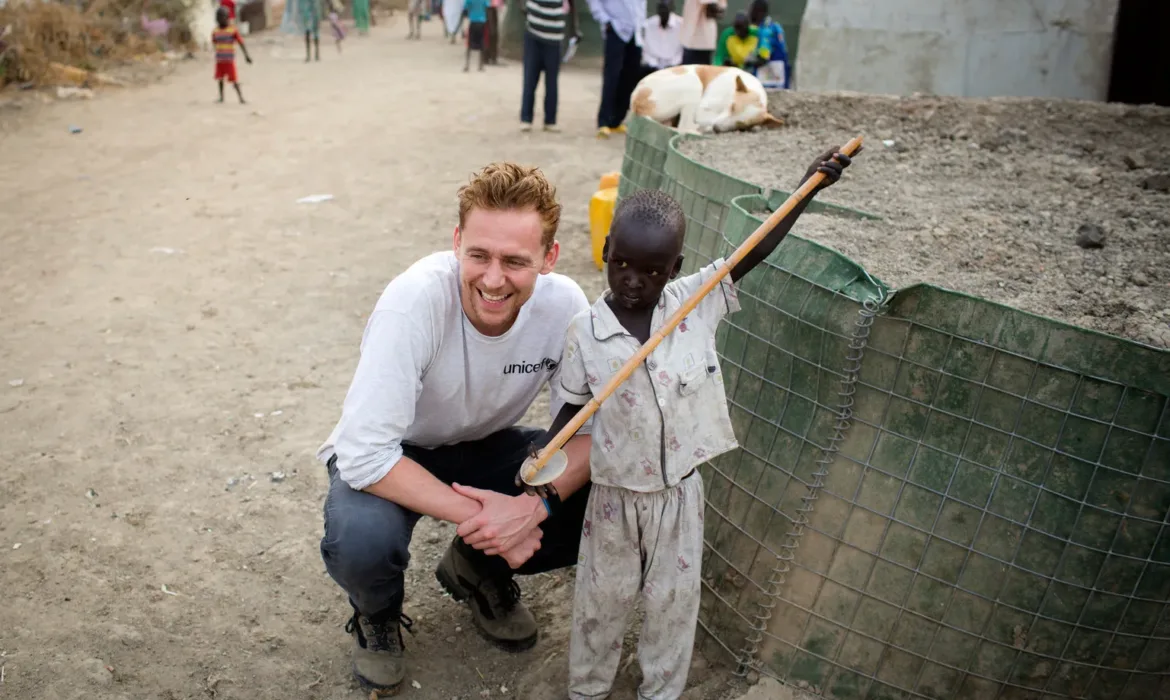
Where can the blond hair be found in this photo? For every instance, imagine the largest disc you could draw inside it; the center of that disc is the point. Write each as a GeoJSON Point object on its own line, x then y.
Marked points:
{"type": "Point", "coordinates": [503, 186]}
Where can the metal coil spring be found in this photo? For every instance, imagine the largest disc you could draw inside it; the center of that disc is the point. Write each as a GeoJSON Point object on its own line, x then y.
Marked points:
{"type": "Point", "coordinates": [748, 660]}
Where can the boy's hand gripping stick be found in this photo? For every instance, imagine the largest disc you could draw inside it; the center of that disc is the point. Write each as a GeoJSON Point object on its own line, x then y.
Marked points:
{"type": "Point", "coordinates": [551, 461]}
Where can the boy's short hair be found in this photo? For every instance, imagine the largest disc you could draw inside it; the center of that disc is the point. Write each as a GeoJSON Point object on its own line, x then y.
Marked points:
{"type": "Point", "coordinates": [502, 186]}
{"type": "Point", "coordinates": [646, 208]}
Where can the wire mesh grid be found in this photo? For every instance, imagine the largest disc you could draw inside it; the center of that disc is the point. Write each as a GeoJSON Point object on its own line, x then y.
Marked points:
{"type": "Point", "coordinates": [958, 547]}
{"type": "Point", "coordinates": [942, 510]}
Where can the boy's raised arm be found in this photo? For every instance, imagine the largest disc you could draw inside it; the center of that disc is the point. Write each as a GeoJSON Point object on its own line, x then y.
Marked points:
{"type": "Point", "coordinates": [831, 163]}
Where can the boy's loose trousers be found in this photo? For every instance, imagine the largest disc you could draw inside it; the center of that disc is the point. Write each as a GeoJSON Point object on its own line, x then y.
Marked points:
{"type": "Point", "coordinates": [637, 543]}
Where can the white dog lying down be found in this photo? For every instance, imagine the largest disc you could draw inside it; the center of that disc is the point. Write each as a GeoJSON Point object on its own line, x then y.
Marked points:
{"type": "Point", "coordinates": [703, 98]}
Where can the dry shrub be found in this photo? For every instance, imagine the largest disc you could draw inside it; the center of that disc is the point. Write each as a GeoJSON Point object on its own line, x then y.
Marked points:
{"type": "Point", "coordinates": [87, 36]}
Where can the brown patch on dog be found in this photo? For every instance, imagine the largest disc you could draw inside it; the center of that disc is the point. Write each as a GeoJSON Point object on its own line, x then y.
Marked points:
{"type": "Point", "coordinates": [679, 70]}
{"type": "Point", "coordinates": [708, 73]}
{"type": "Point", "coordinates": [742, 97]}
{"type": "Point", "coordinates": [641, 103]}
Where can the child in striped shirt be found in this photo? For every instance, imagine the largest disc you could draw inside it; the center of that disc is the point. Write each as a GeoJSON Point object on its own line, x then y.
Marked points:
{"type": "Point", "coordinates": [224, 39]}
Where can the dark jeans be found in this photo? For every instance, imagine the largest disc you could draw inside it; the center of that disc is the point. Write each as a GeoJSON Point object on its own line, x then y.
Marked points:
{"type": "Point", "coordinates": [492, 47]}
{"type": "Point", "coordinates": [540, 55]}
{"type": "Point", "coordinates": [623, 68]}
{"type": "Point", "coordinates": [367, 538]}
{"type": "Point", "coordinates": [697, 56]}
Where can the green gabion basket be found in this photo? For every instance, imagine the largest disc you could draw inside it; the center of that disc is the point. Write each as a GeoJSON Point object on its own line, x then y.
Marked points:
{"type": "Point", "coordinates": [936, 496]}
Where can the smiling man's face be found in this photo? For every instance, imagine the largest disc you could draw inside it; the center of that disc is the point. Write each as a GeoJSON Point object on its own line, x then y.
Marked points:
{"type": "Point", "coordinates": [500, 257]}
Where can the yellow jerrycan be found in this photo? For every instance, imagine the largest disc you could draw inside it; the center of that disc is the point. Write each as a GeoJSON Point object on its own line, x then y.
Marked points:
{"type": "Point", "coordinates": [601, 206]}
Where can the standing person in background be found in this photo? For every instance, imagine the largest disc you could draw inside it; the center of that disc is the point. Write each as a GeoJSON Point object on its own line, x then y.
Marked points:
{"type": "Point", "coordinates": [224, 39]}
{"type": "Point", "coordinates": [304, 17]}
{"type": "Point", "coordinates": [700, 29]}
{"type": "Point", "coordinates": [738, 45]}
{"type": "Point", "coordinates": [618, 19]}
{"type": "Point", "coordinates": [476, 25]}
{"type": "Point", "coordinates": [544, 30]}
{"type": "Point", "coordinates": [773, 49]}
{"type": "Point", "coordinates": [491, 47]}
{"type": "Point", "coordinates": [361, 15]}
{"type": "Point", "coordinates": [333, 12]}
{"type": "Point", "coordinates": [660, 39]}
{"type": "Point", "coordinates": [414, 11]}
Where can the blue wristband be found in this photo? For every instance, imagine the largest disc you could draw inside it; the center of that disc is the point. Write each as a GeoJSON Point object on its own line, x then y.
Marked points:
{"type": "Point", "coordinates": [547, 507]}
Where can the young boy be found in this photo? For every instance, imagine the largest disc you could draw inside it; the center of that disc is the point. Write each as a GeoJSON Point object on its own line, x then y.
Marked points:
{"type": "Point", "coordinates": [643, 530]}
{"type": "Point", "coordinates": [773, 49]}
{"type": "Point", "coordinates": [476, 11]}
{"type": "Point", "coordinates": [660, 37]}
{"type": "Point", "coordinates": [224, 39]}
{"type": "Point", "coordinates": [738, 44]}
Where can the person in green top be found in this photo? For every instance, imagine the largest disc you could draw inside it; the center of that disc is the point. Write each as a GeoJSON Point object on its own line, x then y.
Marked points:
{"type": "Point", "coordinates": [738, 44]}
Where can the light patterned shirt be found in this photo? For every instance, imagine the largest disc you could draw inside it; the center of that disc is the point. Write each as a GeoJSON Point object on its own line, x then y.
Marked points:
{"type": "Point", "coordinates": [670, 414]}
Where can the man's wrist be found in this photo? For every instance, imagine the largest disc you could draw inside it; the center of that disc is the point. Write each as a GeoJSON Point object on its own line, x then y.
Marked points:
{"type": "Point", "coordinates": [539, 510]}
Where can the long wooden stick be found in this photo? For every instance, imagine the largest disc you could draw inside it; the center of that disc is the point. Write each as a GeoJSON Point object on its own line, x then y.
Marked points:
{"type": "Point", "coordinates": [744, 248]}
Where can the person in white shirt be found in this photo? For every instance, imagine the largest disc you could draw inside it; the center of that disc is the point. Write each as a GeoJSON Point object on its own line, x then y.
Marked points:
{"type": "Point", "coordinates": [457, 348]}
{"type": "Point", "coordinates": [660, 37]}
{"type": "Point", "coordinates": [701, 29]}
{"type": "Point", "coordinates": [622, 62]}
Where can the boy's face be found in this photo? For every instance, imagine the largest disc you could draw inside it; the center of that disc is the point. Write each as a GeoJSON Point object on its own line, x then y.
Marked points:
{"type": "Point", "coordinates": [640, 263]}
{"type": "Point", "coordinates": [741, 27]}
{"type": "Point", "coordinates": [221, 16]}
{"type": "Point", "coordinates": [664, 10]}
{"type": "Point", "coordinates": [758, 14]}
{"type": "Point", "coordinates": [500, 257]}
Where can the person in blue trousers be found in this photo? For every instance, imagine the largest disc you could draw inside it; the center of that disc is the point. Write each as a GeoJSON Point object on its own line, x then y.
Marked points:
{"type": "Point", "coordinates": [619, 20]}
{"type": "Point", "coordinates": [544, 30]}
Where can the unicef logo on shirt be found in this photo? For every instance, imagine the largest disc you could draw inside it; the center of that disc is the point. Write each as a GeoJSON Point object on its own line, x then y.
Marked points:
{"type": "Point", "coordinates": [547, 364]}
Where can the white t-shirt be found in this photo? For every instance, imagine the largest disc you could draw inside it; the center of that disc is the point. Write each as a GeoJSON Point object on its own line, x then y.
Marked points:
{"type": "Point", "coordinates": [427, 377]}
{"type": "Point", "coordinates": [661, 48]}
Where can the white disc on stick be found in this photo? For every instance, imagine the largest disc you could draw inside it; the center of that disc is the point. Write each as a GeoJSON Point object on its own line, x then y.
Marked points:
{"type": "Point", "coordinates": [554, 467]}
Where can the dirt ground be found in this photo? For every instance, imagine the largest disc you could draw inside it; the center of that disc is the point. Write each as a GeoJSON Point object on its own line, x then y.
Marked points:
{"type": "Point", "coordinates": [987, 197]}
{"type": "Point", "coordinates": [176, 339]}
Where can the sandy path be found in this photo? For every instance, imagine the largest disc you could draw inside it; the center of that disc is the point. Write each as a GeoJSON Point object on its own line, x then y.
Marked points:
{"type": "Point", "coordinates": [178, 321]}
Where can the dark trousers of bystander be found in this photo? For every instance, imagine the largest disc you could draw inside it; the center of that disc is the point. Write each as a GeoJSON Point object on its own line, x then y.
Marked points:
{"type": "Point", "coordinates": [366, 546]}
{"type": "Point", "coordinates": [491, 47]}
{"type": "Point", "coordinates": [623, 68]}
{"type": "Point", "coordinates": [697, 57]}
{"type": "Point", "coordinates": [540, 56]}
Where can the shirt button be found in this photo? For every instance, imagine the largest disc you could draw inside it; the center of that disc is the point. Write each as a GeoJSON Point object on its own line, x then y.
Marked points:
{"type": "Point", "coordinates": [652, 365]}
{"type": "Point", "coordinates": [661, 402]}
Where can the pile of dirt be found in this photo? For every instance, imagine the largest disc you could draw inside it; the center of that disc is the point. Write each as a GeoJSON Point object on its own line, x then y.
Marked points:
{"type": "Point", "coordinates": [50, 42]}
{"type": "Point", "coordinates": [987, 197]}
